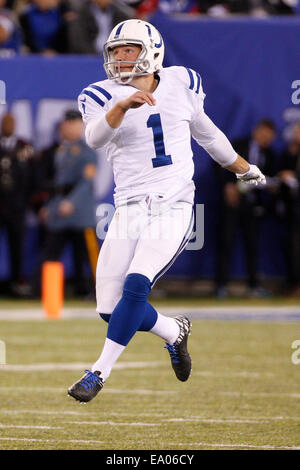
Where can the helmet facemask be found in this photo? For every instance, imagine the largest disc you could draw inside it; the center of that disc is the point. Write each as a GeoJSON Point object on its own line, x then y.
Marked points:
{"type": "Point", "coordinates": [113, 67]}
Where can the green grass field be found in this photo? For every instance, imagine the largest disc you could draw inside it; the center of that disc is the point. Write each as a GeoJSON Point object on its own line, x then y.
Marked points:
{"type": "Point", "coordinates": [7, 304]}
{"type": "Point", "coordinates": [244, 392]}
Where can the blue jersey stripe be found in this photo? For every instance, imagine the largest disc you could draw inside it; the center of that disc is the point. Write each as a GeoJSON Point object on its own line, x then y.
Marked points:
{"type": "Point", "coordinates": [95, 97]}
{"type": "Point", "coordinates": [104, 92]}
{"type": "Point", "coordinates": [198, 83]}
{"type": "Point", "coordinates": [191, 79]}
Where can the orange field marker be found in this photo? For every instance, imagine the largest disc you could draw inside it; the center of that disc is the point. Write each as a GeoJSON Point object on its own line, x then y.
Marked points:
{"type": "Point", "coordinates": [52, 288]}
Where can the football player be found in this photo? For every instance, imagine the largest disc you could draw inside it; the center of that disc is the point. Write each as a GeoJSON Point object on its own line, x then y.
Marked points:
{"type": "Point", "coordinates": [144, 116]}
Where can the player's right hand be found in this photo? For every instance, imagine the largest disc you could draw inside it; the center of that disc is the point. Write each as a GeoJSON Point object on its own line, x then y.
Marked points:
{"type": "Point", "coordinates": [137, 99]}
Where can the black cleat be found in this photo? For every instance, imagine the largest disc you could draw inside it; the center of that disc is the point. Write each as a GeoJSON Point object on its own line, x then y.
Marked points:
{"type": "Point", "coordinates": [180, 358]}
{"type": "Point", "coordinates": [87, 387]}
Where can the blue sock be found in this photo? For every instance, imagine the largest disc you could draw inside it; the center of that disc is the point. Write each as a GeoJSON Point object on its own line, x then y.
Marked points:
{"type": "Point", "coordinates": [148, 322]}
{"type": "Point", "coordinates": [129, 315]}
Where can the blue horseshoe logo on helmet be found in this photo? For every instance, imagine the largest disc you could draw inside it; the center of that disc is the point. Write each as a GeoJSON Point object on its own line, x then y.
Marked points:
{"type": "Point", "coordinates": [150, 36]}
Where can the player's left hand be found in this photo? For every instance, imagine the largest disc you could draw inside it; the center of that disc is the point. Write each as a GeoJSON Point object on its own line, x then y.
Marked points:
{"type": "Point", "coordinates": [66, 208]}
{"type": "Point", "coordinates": [252, 176]}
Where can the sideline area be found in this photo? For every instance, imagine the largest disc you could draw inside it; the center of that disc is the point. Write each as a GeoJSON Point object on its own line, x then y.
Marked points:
{"type": "Point", "coordinates": [238, 313]}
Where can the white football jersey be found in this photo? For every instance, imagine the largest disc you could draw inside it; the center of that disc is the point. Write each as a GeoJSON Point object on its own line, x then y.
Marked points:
{"type": "Point", "coordinates": [151, 151]}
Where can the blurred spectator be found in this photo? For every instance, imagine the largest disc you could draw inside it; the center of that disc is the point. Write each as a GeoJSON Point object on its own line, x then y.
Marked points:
{"type": "Point", "coordinates": [135, 3]}
{"type": "Point", "coordinates": [288, 208]}
{"type": "Point", "coordinates": [179, 6]}
{"type": "Point", "coordinates": [71, 209]}
{"type": "Point", "coordinates": [13, 4]}
{"type": "Point", "coordinates": [143, 7]}
{"type": "Point", "coordinates": [253, 7]}
{"type": "Point", "coordinates": [94, 21]}
{"type": "Point", "coordinates": [218, 7]}
{"type": "Point", "coordinates": [211, 7]}
{"type": "Point", "coordinates": [43, 177]}
{"type": "Point", "coordinates": [44, 25]}
{"type": "Point", "coordinates": [15, 178]}
{"type": "Point", "coordinates": [10, 36]}
{"type": "Point", "coordinates": [43, 189]}
{"type": "Point", "coordinates": [242, 206]}
{"type": "Point", "coordinates": [230, 6]}
{"type": "Point", "coordinates": [272, 7]}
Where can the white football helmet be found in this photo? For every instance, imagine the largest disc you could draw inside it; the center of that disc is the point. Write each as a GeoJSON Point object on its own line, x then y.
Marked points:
{"type": "Point", "coordinates": [136, 32]}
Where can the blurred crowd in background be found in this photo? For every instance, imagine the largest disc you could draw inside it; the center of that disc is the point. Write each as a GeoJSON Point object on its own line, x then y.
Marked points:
{"type": "Point", "coordinates": [82, 26]}
{"type": "Point", "coordinates": [57, 185]}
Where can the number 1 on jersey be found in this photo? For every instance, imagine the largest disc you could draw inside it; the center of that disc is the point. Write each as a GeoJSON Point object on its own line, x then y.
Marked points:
{"type": "Point", "coordinates": [161, 158]}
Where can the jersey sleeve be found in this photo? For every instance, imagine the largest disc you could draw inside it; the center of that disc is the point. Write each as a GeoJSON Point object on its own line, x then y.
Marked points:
{"type": "Point", "coordinates": [93, 102]}
{"type": "Point", "coordinates": [203, 130]}
{"type": "Point", "coordinates": [192, 83]}
{"type": "Point", "coordinates": [93, 105]}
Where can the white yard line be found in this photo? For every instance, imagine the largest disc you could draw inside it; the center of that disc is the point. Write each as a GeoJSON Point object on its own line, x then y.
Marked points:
{"type": "Point", "coordinates": [152, 392]}
{"type": "Point", "coordinates": [73, 441]}
{"type": "Point", "coordinates": [139, 391]}
{"type": "Point", "coordinates": [248, 446]}
{"type": "Point", "coordinates": [256, 418]}
{"type": "Point", "coordinates": [49, 366]}
{"type": "Point", "coordinates": [78, 413]}
{"type": "Point", "coordinates": [260, 394]}
{"type": "Point", "coordinates": [32, 389]}
{"type": "Point", "coordinates": [19, 426]}
{"type": "Point", "coordinates": [196, 444]}
{"type": "Point", "coordinates": [122, 365]}
{"type": "Point", "coordinates": [240, 312]}
{"type": "Point", "coordinates": [136, 391]}
{"type": "Point", "coordinates": [38, 412]}
{"type": "Point", "coordinates": [214, 421]}
{"type": "Point", "coordinates": [242, 374]}
{"type": "Point", "coordinates": [155, 415]}
{"type": "Point", "coordinates": [111, 423]}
